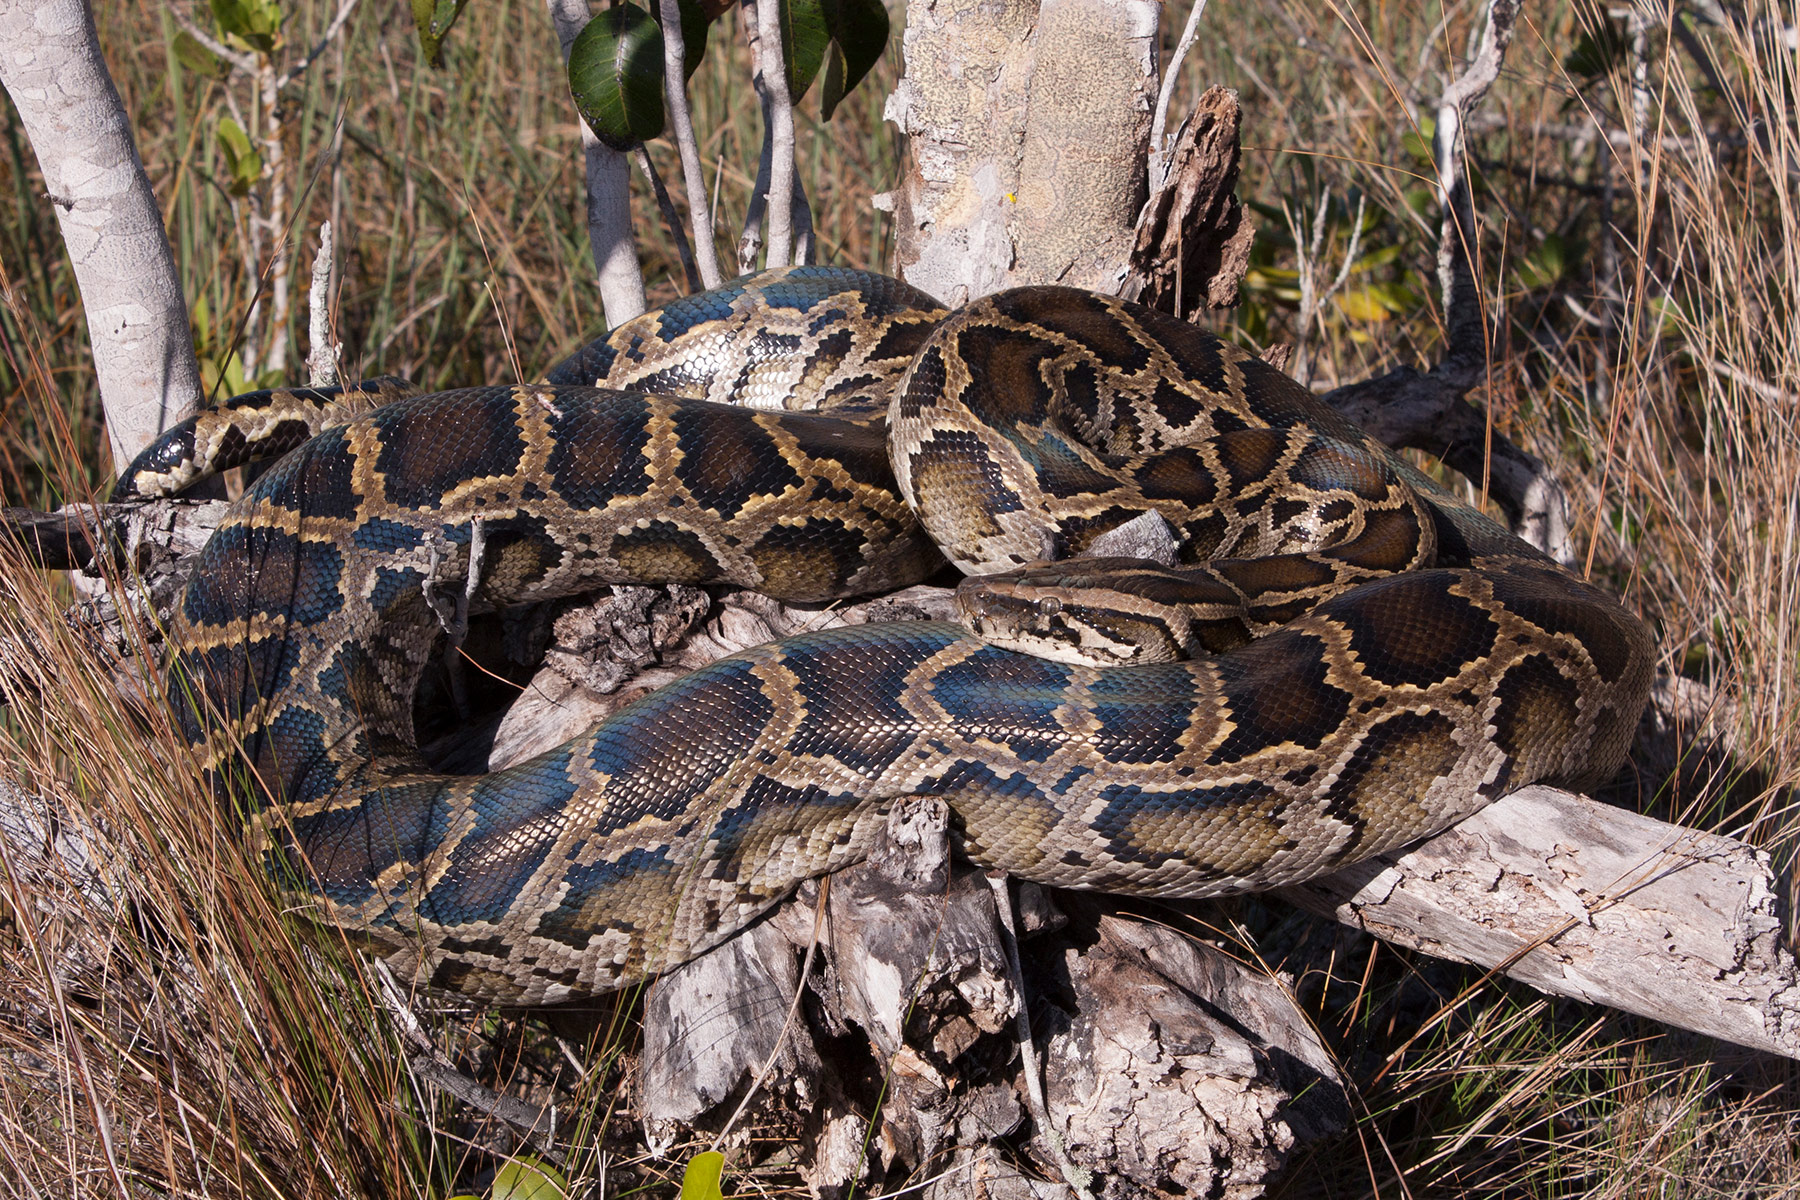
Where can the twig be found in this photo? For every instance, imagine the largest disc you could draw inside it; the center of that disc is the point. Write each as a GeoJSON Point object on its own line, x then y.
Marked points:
{"type": "Point", "coordinates": [671, 218]}
{"type": "Point", "coordinates": [323, 352]}
{"type": "Point", "coordinates": [1079, 1181]}
{"type": "Point", "coordinates": [1159, 157]}
{"type": "Point", "coordinates": [778, 130]}
{"type": "Point", "coordinates": [812, 947]}
{"type": "Point", "coordinates": [693, 183]}
{"type": "Point", "coordinates": [616, 270]}
{"type": "Point", "coordinates": [435, 1067]}
{"type": "Point", "coordinates": [331, 31]}
{"type": "Point", "coordinates": [1466, 325]}
{"type": "Point", "coordinates": [803, 223]}
{"type": "Point", "coordinates": [239, 61]}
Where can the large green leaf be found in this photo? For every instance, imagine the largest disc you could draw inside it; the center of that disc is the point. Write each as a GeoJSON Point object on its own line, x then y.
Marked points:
{"type": "Point", "coordinates": [254, 23]}
{"type": "Point", "coordinates": [434, 19]}
{"type": "Point", "coordinates": [844, 38]}
{"type": "Point", "coordinates": [859, 33]}
{"type": "Point", "coordinates": [694, 23]}
{"type": "Point", "coordinates": [804, 38]}
{"type": "Point", "coordinates": [616, 76]}
{"type": "Point", "coordinates": [528, 1178]}
{"type": "Point", "coordinates": [243, 162]}
{"type": "Point", "coordinates": [703, 1176]}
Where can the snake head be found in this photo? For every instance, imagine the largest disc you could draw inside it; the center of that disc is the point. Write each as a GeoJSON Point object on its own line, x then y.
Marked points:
{"type": "Point", "coordinates": [1105, 612]}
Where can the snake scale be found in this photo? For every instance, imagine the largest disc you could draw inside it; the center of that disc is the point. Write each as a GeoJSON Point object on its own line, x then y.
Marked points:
{"type": "Point", "coordinates": [1367, 660]}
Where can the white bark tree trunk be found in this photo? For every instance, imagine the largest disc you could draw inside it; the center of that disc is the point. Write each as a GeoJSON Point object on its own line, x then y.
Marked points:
{"type": "Point", "coordinates": [51, 66]}
{"type": "Point", "coordinates": [1029, 126]}
{"type": "Point", "coordinates": [616, 267]}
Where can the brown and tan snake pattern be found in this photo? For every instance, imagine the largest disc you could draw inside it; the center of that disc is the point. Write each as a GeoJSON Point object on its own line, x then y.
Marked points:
{"type": "Point", "coordinates": [1371, 659]}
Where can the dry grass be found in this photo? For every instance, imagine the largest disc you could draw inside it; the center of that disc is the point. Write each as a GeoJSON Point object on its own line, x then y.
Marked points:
{"type": "Point", "coordinates": [1649, 284]}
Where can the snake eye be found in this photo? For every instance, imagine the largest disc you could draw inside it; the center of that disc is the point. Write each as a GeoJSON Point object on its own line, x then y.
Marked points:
{"type": "Point", "coordinates": [1049, 606]}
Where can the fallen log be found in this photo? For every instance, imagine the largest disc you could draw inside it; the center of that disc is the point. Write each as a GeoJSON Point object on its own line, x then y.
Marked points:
{"type": "Point", "coordinates": [1582, 899]}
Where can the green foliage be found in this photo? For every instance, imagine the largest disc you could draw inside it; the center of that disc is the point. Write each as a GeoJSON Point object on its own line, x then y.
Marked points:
{"type": "Point", "coordinates": [198, 59]}
{"type": "Point", "coordinates": [844, 38]}
{"type": "Point", "coordinates": [525, 1178]}
{"type": "Point", "coordinates": [253, 24]}
{"type": "Point", "coordinates": [433, 18]}
{"type": "Point", "coordinates": [695, 21]}
{"type": "Point", "coordinates": [702, 1178]}
{"type": "Point", "coordinates": [243, 162]}
{"type": "Point", "coordinates": [616, 76]}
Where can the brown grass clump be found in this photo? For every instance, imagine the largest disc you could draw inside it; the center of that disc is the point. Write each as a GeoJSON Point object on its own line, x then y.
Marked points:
{"type": "Point", "coordinates": [165, 1028]}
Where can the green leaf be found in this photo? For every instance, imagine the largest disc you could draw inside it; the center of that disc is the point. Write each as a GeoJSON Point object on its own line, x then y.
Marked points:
{"type": "Point", "coordinates": [197, 58]}
{"type": "Point", "coordinates": [694, 23]}
{"type": "Point", "coordinates": [1363, 304]}
{"type": "Point", "coordinates": [1546, 265]}
{"type": "Point", "coordinates": [804, 40]}
{"type": "Point", "coordinates": [616, 76]}
{"type": "Point", "coordinates": [433, 18]}
{"type": "Point", "coordinates": [859, 34]}
{"type": "Point", "coordinates": [242, 161]}
{"type": "Point", "coordinates": [255, 23]}
{"type": "Point", "coordinates": [701, 1179]}
{"type": "Point", "coordinates": [842, 38]}
{"type": "Point", "coordinates": [528, 1178]}
{"type": "Point", "coordinates": [1377, 258]}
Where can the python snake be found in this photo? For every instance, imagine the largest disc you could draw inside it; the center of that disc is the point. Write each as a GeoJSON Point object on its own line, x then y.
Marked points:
{"type": "Point", "coordinates": [1374, 659]}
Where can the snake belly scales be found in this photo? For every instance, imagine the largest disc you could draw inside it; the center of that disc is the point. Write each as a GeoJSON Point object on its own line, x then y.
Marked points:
{"type": "Point", "coordinates": [1413, 660]}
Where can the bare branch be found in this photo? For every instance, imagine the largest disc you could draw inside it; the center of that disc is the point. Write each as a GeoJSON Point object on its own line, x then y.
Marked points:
{"type": "Point", "coordinates": [245, 63]}
{"type": "Point", "coordinates": [338, 20]}
{"type": "Point", "coordinates": [778, 130]}
{"type": "Point", "coordinates": [1159, 158]}
{"type": "Point", "coordinates": [693, 182]}
{"type": "Point", "coordinates": [322, 358]}
{"type": "Point", "coordinates": [616, 269]}
{"type": "Point", "coordinates": [671, 218]}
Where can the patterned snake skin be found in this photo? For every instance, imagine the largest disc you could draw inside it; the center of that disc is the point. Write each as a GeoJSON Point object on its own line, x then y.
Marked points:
{"type": "Point", "coordinates": [1411, 661]}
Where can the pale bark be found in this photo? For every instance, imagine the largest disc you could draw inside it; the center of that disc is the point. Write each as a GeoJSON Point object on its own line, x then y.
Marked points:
{"type": "Point", "coordinates": [137, 317]}
{"type": "Point", "coordinates": [616, 269]}
{"type": "Point", "coordinates": [693, 182]}
{"type": "Point", "coordinates": [1028, 130]}
{"type": "Point", "coordinates": [1581, 899]}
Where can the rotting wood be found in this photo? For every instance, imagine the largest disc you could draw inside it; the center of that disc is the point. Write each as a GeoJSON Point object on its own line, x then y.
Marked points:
{"type": "Point", "coordinates": [1581, 899]}
{"type": "Point", "coordinates": [1193, 237]}
{"type": "Point", "coordinates": [1167, 1061]}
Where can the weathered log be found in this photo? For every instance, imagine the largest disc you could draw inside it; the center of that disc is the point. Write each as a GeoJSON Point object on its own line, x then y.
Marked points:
{"type": "Point", "coordinates": [1581, 899]}
{"type": "Point", "coordinates": [1168, 1062]}
{"type": "Point", "coordinates": [1193, 237]}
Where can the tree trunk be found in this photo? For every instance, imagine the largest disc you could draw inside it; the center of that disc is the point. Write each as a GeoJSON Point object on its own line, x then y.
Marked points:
{"type": "Point", "coordinates": [1028, 130]}
{"type": "Point", "coordinates": [137, 316]}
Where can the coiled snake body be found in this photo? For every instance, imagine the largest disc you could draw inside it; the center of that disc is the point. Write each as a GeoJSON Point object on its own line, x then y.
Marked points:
{"type": "Point", "coordinates": [1413, 661]}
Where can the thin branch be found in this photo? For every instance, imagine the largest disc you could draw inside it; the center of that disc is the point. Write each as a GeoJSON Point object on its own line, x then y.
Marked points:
{"type": "Point", "coordinates": [671, 218]}
{"type": "Point", "coordinates": [1159, 158]}
{"type": "Point", "coordinates": [616, 270]}
{"type": "Point", "coordinates": [778, 128]}
{"type": "Point", "coordinates": [238, 60]}
{"type": "Point", "coordinates": [693, 182]}
{"type": "Point", "coordinates": [801, 213]}
{"type": "Point", "coordinates": [338, 21]}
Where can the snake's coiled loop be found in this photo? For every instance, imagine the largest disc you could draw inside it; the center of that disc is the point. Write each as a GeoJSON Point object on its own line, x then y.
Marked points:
{"type": "Point", "coordinates": [1413, 660]}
